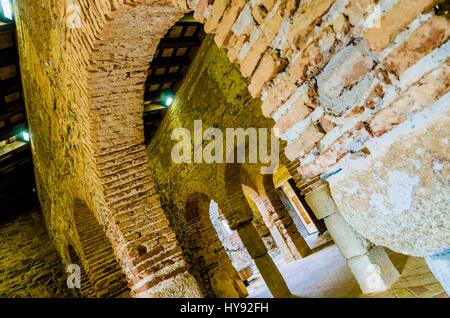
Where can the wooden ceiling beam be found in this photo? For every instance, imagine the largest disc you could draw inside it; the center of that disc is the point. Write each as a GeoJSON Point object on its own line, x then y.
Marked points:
{"type": "Point", "coordinates": [165, 78]}
{"type": "Point", "coordinates": [187, 41]}
{"type": "Point", "coordinates": [160, 62]}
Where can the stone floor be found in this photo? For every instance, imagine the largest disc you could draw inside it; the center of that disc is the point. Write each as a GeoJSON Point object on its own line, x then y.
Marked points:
{"type": "Point", "coordinates": [326, 274]}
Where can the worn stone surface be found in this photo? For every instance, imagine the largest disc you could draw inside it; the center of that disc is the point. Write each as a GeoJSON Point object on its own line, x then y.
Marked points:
{"type": "Point", "coordinates": [349, 242]}
{"type": "Point", "coordinates": [374, 271]}
{"type": "Point", "coordinates": [321, 203]}
{"type": "Point", "coordinates": [403, 187]}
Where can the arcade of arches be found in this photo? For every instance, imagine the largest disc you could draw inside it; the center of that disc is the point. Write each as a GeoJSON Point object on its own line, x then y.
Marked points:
{"type": "Point", "coordinates": [358, 204]}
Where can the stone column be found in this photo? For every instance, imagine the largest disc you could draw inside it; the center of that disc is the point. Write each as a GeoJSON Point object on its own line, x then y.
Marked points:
{"type": "Point", "coordinates": [439, 265]}
{"type": "Point", "coordinates": [369, 264]}
{"type": "Point", "coordinates": [258, 251]}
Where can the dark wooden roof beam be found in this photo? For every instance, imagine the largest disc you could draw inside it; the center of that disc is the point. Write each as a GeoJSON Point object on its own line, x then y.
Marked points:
{"type": "Point", "coordinates": [160, 62]}
{"type": "Point", "coordinates": [187, 41]}
{"type": "Point", "coordinates": [165, 78]}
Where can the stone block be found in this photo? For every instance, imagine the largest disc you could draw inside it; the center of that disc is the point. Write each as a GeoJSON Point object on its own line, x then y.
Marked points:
{"type": "Point", "coordinates": [321, 202]}
{"type": "Point", "coordinates": [374, 271]}
{"type": "Point", "coordinates": [349, 242]}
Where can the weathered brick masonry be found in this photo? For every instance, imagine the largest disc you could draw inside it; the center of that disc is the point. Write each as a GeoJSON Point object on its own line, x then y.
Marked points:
{"type": "Point", "coordinates": [332, 80]}
{"type": "Point", "coordinates": [215, 92]}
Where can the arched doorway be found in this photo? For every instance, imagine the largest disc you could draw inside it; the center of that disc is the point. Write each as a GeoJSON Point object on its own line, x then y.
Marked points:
{"type": "Point", "coordinates": [213, 267]}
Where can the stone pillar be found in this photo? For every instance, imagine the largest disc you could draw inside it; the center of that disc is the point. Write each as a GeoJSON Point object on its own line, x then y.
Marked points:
{"type": "Point", "coordinates": [369, 264]}
{"type": "Point", "coordinates": [258, 251]}
{"type": "Point", "coordinates": [439, 265]}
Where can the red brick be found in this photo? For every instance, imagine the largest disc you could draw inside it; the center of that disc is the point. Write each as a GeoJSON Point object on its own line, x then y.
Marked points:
{"type": "Point", "coordinates": [277, 95]}
{"type": "Point", "coordinates": [417, 98]}
{"type": "Point", "coordinates": [303, 144]}
{"type": "Point", "coordinates": [235, 44]}
{"type": "Point", "coordinates": [326, 124]}
{"type": "Point", "coordinates": [267, 68]}
{"type": "Point", "coordinates": [273, 25]}
{"type": "Point", "coordinates": [217, 12]}
{"type": "Point", "coordinates": [349, 73]}
{"type": "Point", "coordinates": [225, 24]}
{"type": "Point", "coordinates": [306, 19]}
{"type": "Point", "coordinates": [358, 10]}
{"type": "Point", "coordinates": [252, 58]}
{"type": "Point", "coordinates": [297, 112]}
{"type": "Point", "coordinates": [397, 19]}
{"type": "Point", "coordinates": [200, 10]}
{"type": "Point", "coordinates": [336, 151]}
{"type": "Point", "coordinates": [421, 42]}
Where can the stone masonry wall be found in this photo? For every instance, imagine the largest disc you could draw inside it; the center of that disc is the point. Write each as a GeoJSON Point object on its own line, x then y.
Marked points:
{"type": "Point", "coordinates": [338, 75]}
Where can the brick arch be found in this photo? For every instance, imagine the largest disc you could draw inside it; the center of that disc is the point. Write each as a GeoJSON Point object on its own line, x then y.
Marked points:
{"type": "Point", "coordinates": [262, 220]}
{"type": "Point", "coordinates": [125, 37]}
{"type": "Point", "coordinates": [239, 210]}
{"type": "Point", "coordinates": [96, 255]}
{"type": "Point", "coordinates": [123, 46]}
{"type": "Point", "coordinates": [212, 265]}
{"type": "Point", "coordinates": [239, 218]}
{"type": "Point", "coordinates": [257, 200]}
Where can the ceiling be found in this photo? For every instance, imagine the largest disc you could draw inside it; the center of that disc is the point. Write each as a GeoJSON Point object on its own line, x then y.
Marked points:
{"type": "Point", "coordinates": [168, 68]}
{"type": "Point", "coordinates": [16, 166]}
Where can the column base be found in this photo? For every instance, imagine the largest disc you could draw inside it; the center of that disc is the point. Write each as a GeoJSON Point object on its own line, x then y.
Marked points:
{"type": "Point", "coordinates": [374, 271]}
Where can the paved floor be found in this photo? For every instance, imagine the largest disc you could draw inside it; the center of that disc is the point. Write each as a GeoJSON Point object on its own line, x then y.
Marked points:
{"type": "Point", "coordinates": [322, 274]}
{"type": "Point", "coordinates": [326, 274]}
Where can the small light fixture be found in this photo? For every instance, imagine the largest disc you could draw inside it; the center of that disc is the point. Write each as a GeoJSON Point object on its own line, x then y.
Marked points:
{"type": "Point", "coordinates": [26, 136]}
{"type": "Point", "coordinates": [169, 101]}
{"type": "Point", "coordinates": [7, 9]}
